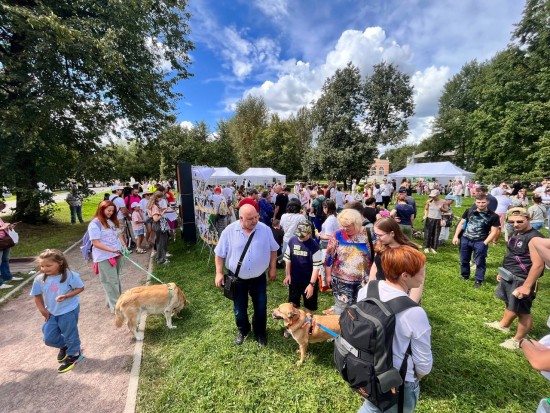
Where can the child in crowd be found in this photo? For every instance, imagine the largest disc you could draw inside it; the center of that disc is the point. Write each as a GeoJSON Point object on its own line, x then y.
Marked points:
{"type": "Point", "coordinates": [278, 234]}
{"type": "Point", "coordinates": [55, 292]}
{"type": "Point", "coordinates": [303, 262]}
{"type": "Point", "coordinates": [138, 226]}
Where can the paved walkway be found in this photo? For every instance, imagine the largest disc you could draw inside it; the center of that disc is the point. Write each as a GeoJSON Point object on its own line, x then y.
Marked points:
{"type": "Point", "coordinates": [29, 381]}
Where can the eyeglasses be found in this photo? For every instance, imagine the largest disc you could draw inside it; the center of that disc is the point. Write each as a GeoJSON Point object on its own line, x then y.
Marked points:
{"type": "Point", "coordinates": [515, 222]}
{"type": "Point", "coordinates": [380, 235]}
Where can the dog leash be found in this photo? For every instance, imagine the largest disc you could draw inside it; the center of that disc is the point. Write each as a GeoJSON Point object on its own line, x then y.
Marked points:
{"type": "Point", "coordinates": [322, 327]}
{"type": "Point", "coordinates": [144, 270]}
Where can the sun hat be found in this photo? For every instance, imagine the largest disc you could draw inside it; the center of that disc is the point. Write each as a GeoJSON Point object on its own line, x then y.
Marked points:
{"type": "Point", "coordinates": [116, 187]}
{"type": "Point", "coordinates": [434, 193]}
{"type": "Point", "coordinates": [134, 204]}
{"type": "Point", "coordinates": [450, 197]}
{"type": "Point", "coordinates": [303, 229]}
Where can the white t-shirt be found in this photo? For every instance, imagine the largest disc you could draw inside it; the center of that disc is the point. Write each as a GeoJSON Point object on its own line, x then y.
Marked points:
{"type": "Point", "coordinates": [412, 326]}
{"type": "Point", "coordinates": [330, 226]}
{"type": "Point", "coordinates": [504, 202]}
{"type": "Point", "coordinates": [386, 189]}
{"type": "Point", "coordinates": [339, 199]}
{"type": "Point", "coordinates": [143, 204]}
{"type": "Point", "coordinates": [119, 203]}
{"type": "Point", "coordinates": [289, 222]}
{"type": "Point", "coordinates": [227, 193]}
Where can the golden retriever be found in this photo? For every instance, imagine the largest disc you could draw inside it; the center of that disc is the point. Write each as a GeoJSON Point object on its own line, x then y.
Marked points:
{"type": "Point", "coordinates": [165, 299]}
{"type": "Point", "coordinates": [305, 332]}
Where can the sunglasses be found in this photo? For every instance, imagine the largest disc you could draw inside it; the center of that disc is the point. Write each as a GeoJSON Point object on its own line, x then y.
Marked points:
{"type": "Point", "coordinates": [515, 222]}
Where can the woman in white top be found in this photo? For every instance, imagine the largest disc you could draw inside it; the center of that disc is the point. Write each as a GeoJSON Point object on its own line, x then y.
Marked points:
{"type": "Point", "coordinates": [457, 192]}
{"type": "Point", "coordinates": [330, 226]}
{"type": "Point", "coordinates": [432, 221]}
{"type": "Point", "coordinates": [538, 213]}
{"type": "Point", "coordinates": [404, 268]}
{"type": "Point", "coordinates": [290, 221]}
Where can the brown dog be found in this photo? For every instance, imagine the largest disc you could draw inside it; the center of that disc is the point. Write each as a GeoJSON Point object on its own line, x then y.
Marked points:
{"type": "Point", "coordinates": [305, 332]}
{"type": "Point", "coordinates": [155, 299]}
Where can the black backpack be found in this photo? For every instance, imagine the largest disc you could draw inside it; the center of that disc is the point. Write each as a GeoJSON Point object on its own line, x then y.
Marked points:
{"type": "Point", "coordinates": [363, 353]}
{"type": "Point", "coordinates": [319, 213]}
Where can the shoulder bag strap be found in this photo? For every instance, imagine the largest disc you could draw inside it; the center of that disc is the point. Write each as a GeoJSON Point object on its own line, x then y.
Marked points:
{"type": "Point", "coordinates": [403, 373]}
{"type": "Point", "coordinates": [243, 254]}
{"type": "Point", "coordinates": [371, 247]}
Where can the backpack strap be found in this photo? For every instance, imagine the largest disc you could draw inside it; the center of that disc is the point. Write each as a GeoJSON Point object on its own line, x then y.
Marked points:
{"type": "Point", "coordinates": [372, 289]}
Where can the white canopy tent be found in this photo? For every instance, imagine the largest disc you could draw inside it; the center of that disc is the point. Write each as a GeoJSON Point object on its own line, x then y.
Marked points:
{"type": "Point", "coordinates": [261, 176]}
{"type": "Point", "coordinates": [442, 171]}
{"type": "Point", "coordinates": [222, 176]}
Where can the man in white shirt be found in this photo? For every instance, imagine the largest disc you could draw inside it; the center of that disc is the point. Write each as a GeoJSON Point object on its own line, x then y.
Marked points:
{"type": "Point", "coordinates": [227, 193]}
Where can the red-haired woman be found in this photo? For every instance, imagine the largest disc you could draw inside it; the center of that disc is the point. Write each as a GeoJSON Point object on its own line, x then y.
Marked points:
{"type": "Point", "coordinates": [404, 269]}
{"type": "Point", "coordinates": [389, 235]}
{"type": "Point", "coordinates": [108, 244]}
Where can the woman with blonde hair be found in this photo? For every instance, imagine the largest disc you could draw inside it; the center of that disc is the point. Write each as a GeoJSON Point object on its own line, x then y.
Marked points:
{"type": "Point", "coordinates": [347, 260]}
{"type": "Point", "coordinates": [160, 226]}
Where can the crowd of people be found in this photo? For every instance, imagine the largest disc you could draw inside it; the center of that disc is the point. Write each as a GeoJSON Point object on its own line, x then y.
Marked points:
{"type": "Point", "coordinates": [336, 240]}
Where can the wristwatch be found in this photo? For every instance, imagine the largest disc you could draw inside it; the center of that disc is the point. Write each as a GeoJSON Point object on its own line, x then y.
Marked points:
{"type": "Point", "coordinates": [312, 284]}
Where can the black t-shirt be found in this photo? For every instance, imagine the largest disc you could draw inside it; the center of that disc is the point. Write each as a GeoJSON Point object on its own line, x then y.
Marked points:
{"type": "Point", "coordinates": [370, 214]}
{"type": "Point", "coordinates": [479, 224]}
{"type": "Point", "coordinates": [517, 259]}
{"type": "Point", "coordinates": [281, 201]}
{"type": "Point", "coordinates": [278, 234]}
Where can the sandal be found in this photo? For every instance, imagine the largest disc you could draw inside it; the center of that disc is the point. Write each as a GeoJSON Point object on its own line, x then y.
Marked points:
{"type": "Point", "coordinates": [141, 251]}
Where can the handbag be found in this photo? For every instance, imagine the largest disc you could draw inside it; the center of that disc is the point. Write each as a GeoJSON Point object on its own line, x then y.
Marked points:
{"type": "Point", "coordinates": [230, 280]}
{"type": "Point", "coordinates": [6, 242]}
{"type": "Point", "coordinates": [161, 224]}
{"type": "Point", "coordinates": [505, 274]}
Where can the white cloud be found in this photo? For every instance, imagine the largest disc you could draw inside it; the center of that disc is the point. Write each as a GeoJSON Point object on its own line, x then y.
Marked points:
{"type": "Point", "coordinates": [186, 125]}
{"type": "Point", "coordinates": [275, 9]}
{"type": "Point", "coordinates": [428, 85]}
{"type": "Point", "coordinates": [158, 49]}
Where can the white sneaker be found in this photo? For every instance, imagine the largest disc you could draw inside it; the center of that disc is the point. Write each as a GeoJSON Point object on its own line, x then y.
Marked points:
{"type": "Point", "coordinates": [17, 279]}
{"type": "Point", "coordinates": [496, 325]}
{"type": "Point", "coordinates": [5, 286]}
{"type": "Point", "coordinates": [433, 251]}
{"type": "Point", "coordinates": [168, 254]}
{"type": "Point", "coordinates": [510, 344]}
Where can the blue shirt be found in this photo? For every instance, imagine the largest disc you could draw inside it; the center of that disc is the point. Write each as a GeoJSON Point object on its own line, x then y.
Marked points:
{"type": "Point", "coordinates": [404, 212]}
{"type": "Point", "coordinates": [303, 257]}
{"type": "Point", "coordinates": [53, 287]}
{"type": "Point", "coordinates": [231, 245]}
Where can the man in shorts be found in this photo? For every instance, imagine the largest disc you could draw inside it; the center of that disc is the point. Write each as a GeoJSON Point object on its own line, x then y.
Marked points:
{"type": "Point", "coordinates": [521, 268]}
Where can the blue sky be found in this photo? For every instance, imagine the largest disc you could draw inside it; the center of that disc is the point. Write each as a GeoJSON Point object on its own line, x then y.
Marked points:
{"type": "Point", "coordinates": [283, 50]}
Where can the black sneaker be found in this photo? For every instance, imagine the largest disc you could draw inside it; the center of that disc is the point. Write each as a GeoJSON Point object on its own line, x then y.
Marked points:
{"type": "Point", "coordinates": [262, 341]}
{"type": "Point", "coordinates": [240, 339]}
{"type": "Point", "coordinates": [69, 363]}
{"type": "Point", "coordinates": [62, 355]}
{"type": "Point", "coordinates": [477, 284]}
{"type": "Point", "coordinates": [465, 278]}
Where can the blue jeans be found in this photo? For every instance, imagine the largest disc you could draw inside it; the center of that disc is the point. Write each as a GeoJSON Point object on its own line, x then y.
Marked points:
{"type": "Point", "coordinates": [5, 266]}
{"type": "Point", "coordinates": [479, 249]}
{"type": "Point", "coordinates": [76, 211]}
{"type": "Point", "coordinates": [458, 200]}
{"type": "Point", "coordinates": [257, 288]}
{"type": "Point", "coordinates": [536, 225]}
{"type": "Point", "coordinates": [62, 330]}
{"type": "Point", "coordinates": [412, 392]}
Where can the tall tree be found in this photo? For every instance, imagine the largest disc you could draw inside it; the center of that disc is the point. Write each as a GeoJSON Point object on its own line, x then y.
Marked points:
{"type": "Point", "coordinates": [70, 69]}
{"type": "Point", "coordinates": [352, 118]}
{"type": "Point", "coordinates": [250, 119]}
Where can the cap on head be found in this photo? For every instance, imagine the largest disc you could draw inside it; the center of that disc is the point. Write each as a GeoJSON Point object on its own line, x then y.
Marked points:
{"type": "Point", "coordinates": [253, 191]}
{"type": "Point", "coordinates": [303, 229]}
{"type": "Point", "coordinates": [434, 193]}
{"type": "Point", "coordinates": [134, 205]}
{"type": "Point", "coordinates": [217, 189]}
{"type": "Point", "coordinates": [116, 187]}
{"type": "Point", "coordinates": [402, 190]}
{"type": "Point", "coordinates": [518, 211]}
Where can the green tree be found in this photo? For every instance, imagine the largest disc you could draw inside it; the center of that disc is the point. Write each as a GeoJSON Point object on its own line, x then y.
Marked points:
{"type": "Point", "coordinates": [398, 156]}
{"type": "Point", "coordinates": [70, 69]}
{"type": "Point", "coordinates": [250, 119]}
{"type": "Point", "coordinates": [352, 118]}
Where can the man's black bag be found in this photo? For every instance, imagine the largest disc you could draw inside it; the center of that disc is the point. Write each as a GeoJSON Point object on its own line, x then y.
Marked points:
{"type": "Point", "coordinates": [230, 279]}
{"type": "Point", "coordinates": [363, 352]}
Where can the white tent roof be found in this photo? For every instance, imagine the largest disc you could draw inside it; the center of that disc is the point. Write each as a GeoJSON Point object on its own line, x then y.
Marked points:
{"type": "Point", "coordinates": [432, 170]}
{"type": "Point", "coordinates": [260, 175]}
{"type": "Point", "coordinates": [222, 175]}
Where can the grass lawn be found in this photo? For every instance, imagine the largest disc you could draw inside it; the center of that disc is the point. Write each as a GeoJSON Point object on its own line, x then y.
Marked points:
{"type": "Point", "coordinates": [197, 368]}
{"type": "Point", "coordinates": [58, 234]}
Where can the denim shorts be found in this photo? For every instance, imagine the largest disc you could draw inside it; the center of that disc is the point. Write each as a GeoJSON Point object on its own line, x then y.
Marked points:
{"type": "Point", "coordinates": [139, 232]}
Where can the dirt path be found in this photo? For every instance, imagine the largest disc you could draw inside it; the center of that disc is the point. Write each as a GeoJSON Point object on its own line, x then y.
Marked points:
{"type": "Point", "coordinates": [29, 381]}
